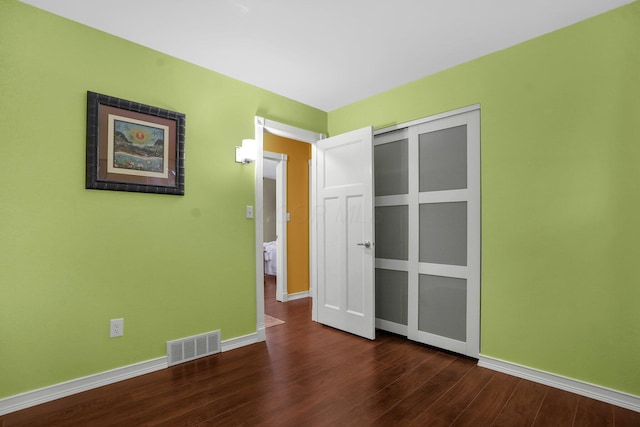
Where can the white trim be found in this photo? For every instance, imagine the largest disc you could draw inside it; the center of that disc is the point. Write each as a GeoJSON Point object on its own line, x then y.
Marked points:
{"type": "Point", "coordinates": [395, 200]}
{"type": "Point", "coordinates": [259, 228]}
{"type": "Point", "coordinates": [298, 295]}
{"type": "Point", "coordinates": [445, 270]}
{"type": "Point", "coordinates": [282, 280]}
{"type": "Point", "coordinates": [427, 119]}
{"type": "Point", "coordinates": [288, 131]}
{"type": "Point", "coordinates": [445, 196]}
{"type": "Point", "coordinates": [281, 222]}
{"type": "Point", "coordinates": [237, 342]}
{"type": "Point", "coordinates": [79, 385]}
{"type": "Point", "coordinates": [383, 136]}
{"type": "Point", "coordinates": [312, 252]}
{"type": "Point", "coordinates": [413, 258]}
{"type": "Point", "coordinates": [313, 233]}
{"type": "Point", "coordinates": [393, 327]}
{"type": "Point", "coordinates": [582, 388]}
{"type": "Point", "coordinates": [441, 342]}
{"type": "Point", "coordinates": [474, 227]}
{"type": "Point", "coordinates": [392, 264]}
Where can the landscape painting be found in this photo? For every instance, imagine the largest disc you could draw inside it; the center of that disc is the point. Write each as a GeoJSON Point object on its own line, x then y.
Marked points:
{"type": "Point", "coordinates": [137, 147]}
{"type": "Point", "coordinates": [134, 147]}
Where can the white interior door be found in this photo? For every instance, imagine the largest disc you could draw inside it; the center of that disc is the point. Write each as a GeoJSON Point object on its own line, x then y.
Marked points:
{"type": "Point", "coordinates": [343, 204]}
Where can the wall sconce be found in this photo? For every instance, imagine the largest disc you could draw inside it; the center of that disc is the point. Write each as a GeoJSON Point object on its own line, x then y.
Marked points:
{"type": "Point", "coordinates": [246, 153]}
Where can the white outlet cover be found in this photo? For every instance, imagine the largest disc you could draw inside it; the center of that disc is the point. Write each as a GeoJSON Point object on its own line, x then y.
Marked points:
{"type": "Point", "coordinates": [116, 328]}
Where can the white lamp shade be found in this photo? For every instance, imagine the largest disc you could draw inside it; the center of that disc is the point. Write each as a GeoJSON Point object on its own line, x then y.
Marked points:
{"type": "Point", "coordinates": [249, 150]}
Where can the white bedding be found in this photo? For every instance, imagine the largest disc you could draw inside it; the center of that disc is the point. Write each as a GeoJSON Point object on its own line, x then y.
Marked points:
{"type": "Point", "coordinates": [270, 258]}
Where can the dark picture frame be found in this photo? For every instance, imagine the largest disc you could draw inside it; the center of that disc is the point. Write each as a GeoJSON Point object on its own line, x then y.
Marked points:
{"type": "Point", "coordinates": [133, 146]}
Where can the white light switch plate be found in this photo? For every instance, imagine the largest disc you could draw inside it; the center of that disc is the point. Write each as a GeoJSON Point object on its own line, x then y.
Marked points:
{"type": "Point", "coordinates": [249, 212]}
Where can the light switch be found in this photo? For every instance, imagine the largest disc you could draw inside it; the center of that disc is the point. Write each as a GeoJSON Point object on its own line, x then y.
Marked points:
{"type": "Point", "coordinates": [249, 212]}
{"type": "Point", "coordinates": [288, 216]}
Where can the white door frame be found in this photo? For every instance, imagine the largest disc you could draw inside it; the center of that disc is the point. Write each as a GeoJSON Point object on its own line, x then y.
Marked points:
{"type": "Point", "coordinates": [281, 223]}
{"type": "Point", "coordinates": [264, 125]}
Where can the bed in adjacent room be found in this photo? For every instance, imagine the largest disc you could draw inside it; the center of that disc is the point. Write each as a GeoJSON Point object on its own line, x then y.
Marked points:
{"type": "Point", "coordinates": [270, 258]}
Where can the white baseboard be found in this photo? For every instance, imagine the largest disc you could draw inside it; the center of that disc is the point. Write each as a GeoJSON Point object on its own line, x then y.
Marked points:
{"type": "Point", "coordinates": [78, 385]}
{"type": "Point", "coordinates": [592, 391]}
{"type": "Point", "coordinates": [233, 343]}
{"type": "Point", "coordinates": [297, 295]}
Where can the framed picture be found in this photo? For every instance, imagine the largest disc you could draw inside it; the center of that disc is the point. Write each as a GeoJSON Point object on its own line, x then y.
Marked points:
{"type": "Point", "coordinates": [133, 146]}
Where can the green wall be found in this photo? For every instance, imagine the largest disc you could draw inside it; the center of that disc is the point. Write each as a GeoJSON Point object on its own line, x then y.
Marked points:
{"type": "Point", "coordinates": [70, 258]}
{"type": "Point", "coordinates": [560, 193]}
{"type": "Point", "coordinates": [560, 200]}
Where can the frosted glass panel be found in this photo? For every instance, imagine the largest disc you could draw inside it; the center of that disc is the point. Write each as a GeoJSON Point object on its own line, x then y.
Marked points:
{"type": "Point", "coordinates": [442, 306]}
{"type": "Point", "coordinates": [391, 295]}
{"type": "Point", "coordinates": [443, 233]}
{"type": "Point", "coordinates": [392, 232]}
{"type": "Point", "coordinates": [443, 159]}
{"type": "Point", "coordinates": [391, 168]}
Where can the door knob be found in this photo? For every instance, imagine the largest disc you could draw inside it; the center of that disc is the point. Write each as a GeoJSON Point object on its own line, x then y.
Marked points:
{"type": "Point", "coordinates": [366, 244]}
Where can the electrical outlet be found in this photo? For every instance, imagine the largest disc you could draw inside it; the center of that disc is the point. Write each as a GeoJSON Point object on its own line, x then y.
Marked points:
{"type": "Point", "coordinates": [116, 328]}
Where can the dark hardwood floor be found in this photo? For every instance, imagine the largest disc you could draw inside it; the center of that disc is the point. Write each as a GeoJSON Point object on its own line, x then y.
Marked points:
{"type": "Point", "coordinates": [310, 375]}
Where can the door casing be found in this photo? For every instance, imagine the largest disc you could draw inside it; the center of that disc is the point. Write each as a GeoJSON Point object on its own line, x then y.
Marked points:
{"type": "Point", "coordinates": [281, 223]}
{"type": "Point", "coordinates": [262, 125]}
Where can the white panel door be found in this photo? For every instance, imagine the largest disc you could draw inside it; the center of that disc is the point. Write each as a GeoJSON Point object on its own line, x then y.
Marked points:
{"type": "Point", "coordinates": [343, 201]}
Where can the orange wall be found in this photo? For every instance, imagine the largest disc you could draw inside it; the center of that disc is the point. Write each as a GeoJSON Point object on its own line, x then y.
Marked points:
{"type": "Point", "coordinates": [298, 155]}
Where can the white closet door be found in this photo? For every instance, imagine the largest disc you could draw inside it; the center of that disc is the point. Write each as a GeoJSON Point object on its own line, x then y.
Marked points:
{"type": "Point", "coordinates": [444, 292]}
{"type": "Point", "coordinates": [428, 231]}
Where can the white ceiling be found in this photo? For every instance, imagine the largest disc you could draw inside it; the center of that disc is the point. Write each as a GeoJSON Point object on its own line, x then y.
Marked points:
{"type": "Point", "coordinates": [327, 53]}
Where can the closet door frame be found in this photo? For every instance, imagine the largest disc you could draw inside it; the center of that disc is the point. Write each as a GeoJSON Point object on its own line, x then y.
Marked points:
{"type": "Point", "coordinates": [469, 116]}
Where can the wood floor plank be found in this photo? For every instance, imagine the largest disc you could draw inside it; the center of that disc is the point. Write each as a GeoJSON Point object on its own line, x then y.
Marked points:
{"type": "Point", "coordinates": [558, 409]}
{"type": "Point", "coordinates": [360, 382]}
{"type": "Point", "coordinates": [409, 408]}
{"type": "Point", "coordinates": [489, 403]}
{"type": "Point", "coordinates": [626, 418]}
{"type": "Point", "coordinates": [307, 374]}
{"type": "Point", "coordinates": [592, 413]}
{"type": "Point", "coordinates": [523, 406]}
{"type": "Point", "coordinates": [452, 404]}
{"type": "Point", "coordinates": [375, 406]}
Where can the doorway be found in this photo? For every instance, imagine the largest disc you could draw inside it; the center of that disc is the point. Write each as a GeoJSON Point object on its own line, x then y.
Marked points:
{"type": "Point", "coordinates": [264, 130]}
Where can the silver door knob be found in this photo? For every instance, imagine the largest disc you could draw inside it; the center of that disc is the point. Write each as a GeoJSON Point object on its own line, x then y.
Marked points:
{"type": "Point", "coordinates": [366, 244]}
